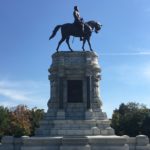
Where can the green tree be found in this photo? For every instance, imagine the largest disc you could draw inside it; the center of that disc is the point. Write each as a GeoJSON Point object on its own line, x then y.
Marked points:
{"type": "Point", "coordinates": [35, 116]}
{"type": "Point", "coordinates": [4, 121]}
{"type": "Point", "coordinates": [146, 125]}
{"type": "Point", "coordinates": [131, 119]}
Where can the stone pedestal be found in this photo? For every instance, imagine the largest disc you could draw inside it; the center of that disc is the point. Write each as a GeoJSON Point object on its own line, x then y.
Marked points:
{"type": "Point", "coordinates": [74, 120]}
{"type": "Point", "coordinates": [74, 107]}
{"type": "Point", "coordinates": [74, 79]}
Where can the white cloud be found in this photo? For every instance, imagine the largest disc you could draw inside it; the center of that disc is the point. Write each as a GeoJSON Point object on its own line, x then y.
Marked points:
{"type": "Point", "coordinates": [126, 53]}
{"type": "Point", "coordinates": [14, 94]}
{"type": "Point", "coordinates": [131, 74]}
{"type": "Point", "coordinates": [146, 72]}
{"type": "Point", "coordinates": [12, 90]}
{"type": "Point", "coordinates": [31, 93]}
{"type": "Point", "coordinates": [130, 52]}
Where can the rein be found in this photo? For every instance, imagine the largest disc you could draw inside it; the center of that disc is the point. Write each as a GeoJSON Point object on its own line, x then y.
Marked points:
{"type": "Point", "coordinates": [73, 40]}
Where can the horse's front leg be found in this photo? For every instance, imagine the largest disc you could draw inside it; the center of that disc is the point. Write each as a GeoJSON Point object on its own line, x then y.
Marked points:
{"type": "Point", "coordinates": [67, 41]}
{"type": "Point", "coordinates": [84, 40]}
{"type": "Point", "coordinates": [89, 44]}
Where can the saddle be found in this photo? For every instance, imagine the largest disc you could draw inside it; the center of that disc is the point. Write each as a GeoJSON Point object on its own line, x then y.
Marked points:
{"type": "Point", "coordinates": [81, 26]}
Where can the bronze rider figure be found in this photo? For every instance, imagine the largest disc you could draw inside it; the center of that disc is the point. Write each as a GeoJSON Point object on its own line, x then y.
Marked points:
{"type": "Point", "coordinates": [78, 21]}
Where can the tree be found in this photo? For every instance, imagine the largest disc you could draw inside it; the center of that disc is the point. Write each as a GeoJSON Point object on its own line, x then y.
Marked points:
{"type": "Point", "coordinates": [131, 119]}
{"type": "Point", "coordinates": [35, 116]}
{"type": "Point", "coordinates": [20, 120]}
{"type": "Point", "coordinates": [24, 121]}
{"type": "Point", "coordinates": [146, 125]}
{"type": "Point", "coordinates": [4, 121]}
{"type": "Point", "coordinates": [20, 123]}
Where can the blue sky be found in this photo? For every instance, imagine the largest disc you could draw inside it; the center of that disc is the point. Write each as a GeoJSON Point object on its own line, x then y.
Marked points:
{"type": "Point", "coordinates": [123, 46]}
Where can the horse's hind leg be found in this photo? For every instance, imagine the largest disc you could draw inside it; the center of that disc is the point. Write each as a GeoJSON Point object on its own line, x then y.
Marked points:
{"type": "Point", "coordinates": [67, 41]}
{"type": "Point", "coordinates": [62, 39]}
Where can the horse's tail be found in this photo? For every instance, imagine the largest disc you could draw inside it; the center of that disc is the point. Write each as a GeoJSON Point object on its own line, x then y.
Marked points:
{"type": "Point", "coordinates": [55, 31]}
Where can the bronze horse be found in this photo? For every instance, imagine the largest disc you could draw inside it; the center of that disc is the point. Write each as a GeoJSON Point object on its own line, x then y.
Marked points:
{"type": "Point", "coordinates": [69, 29]}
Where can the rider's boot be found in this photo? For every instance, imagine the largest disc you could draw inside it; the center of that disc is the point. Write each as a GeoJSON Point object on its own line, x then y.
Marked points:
{"type": "Point", "coordinates": [82, 30]}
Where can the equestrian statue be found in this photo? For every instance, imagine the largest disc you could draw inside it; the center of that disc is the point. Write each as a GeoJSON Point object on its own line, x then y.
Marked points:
{"type": "Point", "coordinates": [79, 28]}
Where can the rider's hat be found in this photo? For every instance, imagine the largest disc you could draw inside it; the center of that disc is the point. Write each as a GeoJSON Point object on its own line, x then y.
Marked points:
{"type": "Point", "coordinates": [75, 7]}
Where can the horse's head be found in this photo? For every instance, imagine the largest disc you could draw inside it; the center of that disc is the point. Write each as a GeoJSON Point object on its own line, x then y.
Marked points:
{"type": "Point", "coordinates": [97, 27]}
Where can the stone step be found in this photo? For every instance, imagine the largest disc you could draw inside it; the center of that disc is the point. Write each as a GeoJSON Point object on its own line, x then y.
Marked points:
{"type": "Point", "coordinates": [47, 126]}
{"type": "Point", "coordinates": [84, 132]}
{"type": "Point", "coordinates": [42, 132]}
{"type": "Point", "coordinates": [75, 109]}
{"type": "Point", "coordinates": [75, 131]}
{"type": "Point", "coordinates": [76, 143]}
{"type": "Point", "coordinates": [74, 126]}
{"type": "Point", "coordinates": [71, 132]}
{"type": "Point", "coordinates": [79, 123]}
{"type": "Point", "coordinates": [75, 115]}
{"type": "Point", "coordinates": [75, 112]}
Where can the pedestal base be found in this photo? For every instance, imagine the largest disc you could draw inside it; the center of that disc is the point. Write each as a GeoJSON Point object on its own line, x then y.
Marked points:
{"type": "Point", "coordinates": [140, 142]}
